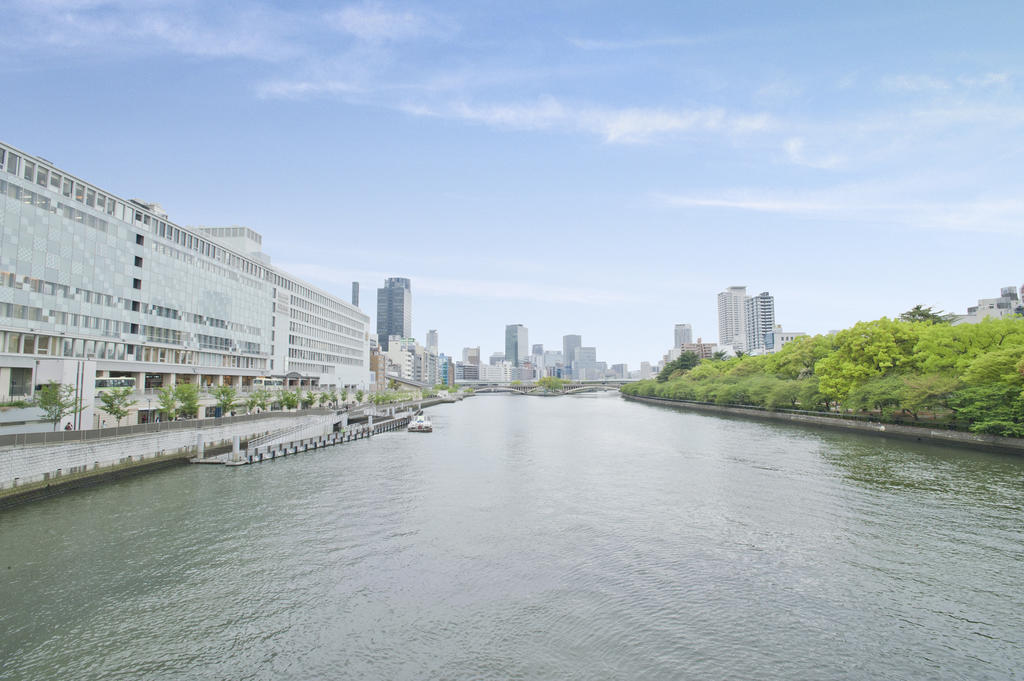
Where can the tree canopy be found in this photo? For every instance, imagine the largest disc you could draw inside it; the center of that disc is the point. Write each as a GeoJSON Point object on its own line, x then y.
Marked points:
{"type": "Point", "coordinates": [969, 375]}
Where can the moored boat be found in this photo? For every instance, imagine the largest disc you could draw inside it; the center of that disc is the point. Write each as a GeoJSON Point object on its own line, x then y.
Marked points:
{"type": "Point", "coordinates": [420, 423]}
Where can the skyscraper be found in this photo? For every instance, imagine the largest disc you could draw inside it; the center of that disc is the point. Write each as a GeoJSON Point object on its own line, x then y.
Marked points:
{"type": "Point", "coordinates": [517, 346]}
{"type": "Point", "coordinates": [432, 341]}
{"type": "Point", "coordinates": [684, 334]}
{"type": "Point", "coordinates": [471, 355]}
{"type": "Point", "coordinates": [732, 320]}
{"type": "Point", "coordinates": [394, 310]}
{"type": "Point", "coordinates": [569, 345]}
{"type": "Point", "coordinates": [538, 349]}
{"type": "Point", "coordinates": [759, 313]}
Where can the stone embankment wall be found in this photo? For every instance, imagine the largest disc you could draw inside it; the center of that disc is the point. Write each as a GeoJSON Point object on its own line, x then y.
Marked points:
{"type": "Point", "coordinates": [949, 437]}
{"type": "Point", "coordinates": [26, 465]}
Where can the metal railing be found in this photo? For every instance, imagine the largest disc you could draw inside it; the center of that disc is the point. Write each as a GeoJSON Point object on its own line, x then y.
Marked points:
{"type": "Point", "coordinates": [61, 436]}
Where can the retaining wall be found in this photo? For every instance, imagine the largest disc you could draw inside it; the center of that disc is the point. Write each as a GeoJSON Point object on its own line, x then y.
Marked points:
{"type": "Point", "coordinates": [948, 437]}
{"type": "Point", "coordinates": [32, 464]}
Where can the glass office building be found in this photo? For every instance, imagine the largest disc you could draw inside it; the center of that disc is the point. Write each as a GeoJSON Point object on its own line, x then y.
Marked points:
{"type": "Point", "coordinates": [108, 286]}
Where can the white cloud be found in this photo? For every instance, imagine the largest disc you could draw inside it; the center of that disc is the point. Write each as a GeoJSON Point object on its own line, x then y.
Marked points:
{"type": "Point", "coordinates": [615, 126]}
{"type": "Point", "coordinates": [668, 41]}
{"type": "Point", "coordinates": [298, 89]}
{"type": "Point", "coordinates": [795, 148]}
{"type": "Point", "coordinates": [914, 83]}
{"type": "Point", "coordinates": [878, 204]}
{"type": "Point", "coordinates": [373, 23]}
{"type": "Point", "coordinates": [986, 80]}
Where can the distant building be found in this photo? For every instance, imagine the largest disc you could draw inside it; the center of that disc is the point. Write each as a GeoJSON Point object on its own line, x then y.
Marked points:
{"type": "Point", "coordinates": [732, 317]}
{"type": "Point", "coordinates": [569, 344]}
{"type": "Point", "coordinates": [777, 337]}
{"type": "Point", "coordinates": [1008, 303]}
{"type": "Point", "coordinates": [432, 341]}
{"type": "Point", "coordinates": [394, 310]}
{"type": "Point", "coordinates": [516, 343]}
{"type": "Point", "coordinates": [355, 293]}
{"type": "Point", "coordinates": [471, 355]}
{"type": "Point", "coordinates": [760, 320]}
{"type": "Point", "coordinates": [701, 349]}
{"type": "Point", "coordinates": [496, 358]}
{"type": "Point", "coordinates": [645, 370]}
{"type": "Point", "coordinates": [538, 349]}
{"type": "Point", "coordinates": [620, 371]}
{"type": "Point", "coordinates": [683, 334]}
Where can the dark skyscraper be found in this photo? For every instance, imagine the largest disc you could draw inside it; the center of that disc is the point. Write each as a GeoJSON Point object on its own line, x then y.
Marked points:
{"type": "Point", "coordinates": [394, 310]}
{"type": "Point", "coordinates": [355, 293]}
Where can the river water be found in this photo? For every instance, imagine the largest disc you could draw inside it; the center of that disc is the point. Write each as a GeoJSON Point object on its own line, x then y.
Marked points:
{"type": "Point", "coordinates": [533, 538]}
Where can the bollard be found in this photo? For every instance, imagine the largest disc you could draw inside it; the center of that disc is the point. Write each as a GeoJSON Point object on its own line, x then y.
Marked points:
{"type": "Point", "coordinates": [236, 448]}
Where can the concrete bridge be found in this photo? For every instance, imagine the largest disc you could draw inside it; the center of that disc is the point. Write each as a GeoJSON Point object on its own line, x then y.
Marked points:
{"type": "Point", "coordinates": [572, 388]}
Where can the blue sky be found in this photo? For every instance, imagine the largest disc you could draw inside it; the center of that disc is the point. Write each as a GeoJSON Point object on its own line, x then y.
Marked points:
{"type": "Point", "coordinates": [593, 168]}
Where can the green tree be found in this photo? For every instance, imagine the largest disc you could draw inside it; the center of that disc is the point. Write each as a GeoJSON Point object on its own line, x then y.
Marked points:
{"type": "Point", "coordinates": [552, 383]}
{"type": "Point", "coordinates": [117, 402]}
{"type": "Point", "coordinates": [257, 399]}
{"type": "Point", "coordinates": [226, 397]}
{"type": "Point", "coordinates": [288, 399]}
{"type": "Point", "coordinates": [927, 392]}
{"type": "Point", "coordinates": [719, 355]}
{"type": "Point", "coordinates": [57, 400]}
{"type": "Point", "coordinates": [168, 399]}
{"type": "Point", "coordinates": [995, 408]}
{"type": "Point", "coordinates": [883, 394]}
{"type": "Point", "coordinates": [307, 399]}
{"type": "Point", "coordinates": [866, 351]}
{"type": "Point", "coordinates": [997, 366]}
{"type": "Point", "coordinates": [188, 398]}
{"type": "Point", "coordinates": [684, 362]}
{"type": "Point", "coordinates": [359, 396]}
{"type": "Point", "coordinates": [344, 395]}
{"type": "Point", "coordinates": [920, 313]}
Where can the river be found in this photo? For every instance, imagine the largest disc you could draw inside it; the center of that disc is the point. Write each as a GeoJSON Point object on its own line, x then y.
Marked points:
{"type": "Point", "coordinates": [576, 537]}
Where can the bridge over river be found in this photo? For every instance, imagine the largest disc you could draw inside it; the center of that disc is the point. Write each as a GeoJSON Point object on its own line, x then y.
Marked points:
{"type": "Point", "coordinates": [532, 388]}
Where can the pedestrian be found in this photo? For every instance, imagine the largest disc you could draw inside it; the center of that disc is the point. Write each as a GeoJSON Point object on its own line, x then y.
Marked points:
{"type": "Point", "coordinates": [68, 427]}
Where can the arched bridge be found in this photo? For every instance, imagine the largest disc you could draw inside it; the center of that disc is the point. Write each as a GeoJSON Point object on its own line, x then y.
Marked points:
{"type": "Point", "coordinates": [573, 388]}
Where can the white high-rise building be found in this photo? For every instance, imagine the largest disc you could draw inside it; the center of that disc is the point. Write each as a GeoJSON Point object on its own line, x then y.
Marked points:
{"type": "Point", "coordinates": [684, 334]}
{"type": "Point", "coordinates": [732, 317]}
{"type": "Point", "coordinates": [759, 320]}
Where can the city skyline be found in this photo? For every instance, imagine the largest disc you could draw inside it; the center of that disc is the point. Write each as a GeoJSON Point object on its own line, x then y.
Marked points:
{"type": "Point", "coordinates": [838, 158]}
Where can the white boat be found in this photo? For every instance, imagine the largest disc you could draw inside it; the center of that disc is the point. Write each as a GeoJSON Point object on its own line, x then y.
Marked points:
{"type": "Point", "coordinates": [420, 424]}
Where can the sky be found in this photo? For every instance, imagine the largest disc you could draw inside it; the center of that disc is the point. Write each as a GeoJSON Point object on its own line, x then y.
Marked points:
{"type": "Point", "coordinates": [578, 167]}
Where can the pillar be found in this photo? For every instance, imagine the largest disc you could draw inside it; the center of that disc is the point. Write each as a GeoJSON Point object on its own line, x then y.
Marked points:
{"type": "Point", "coordinates": [236, 448]}
{"type": "Point", "coordinates": [200, 447]}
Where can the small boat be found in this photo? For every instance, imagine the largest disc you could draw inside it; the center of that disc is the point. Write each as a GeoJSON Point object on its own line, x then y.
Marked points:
{"type": "Point", "coordinates": [420, 424]}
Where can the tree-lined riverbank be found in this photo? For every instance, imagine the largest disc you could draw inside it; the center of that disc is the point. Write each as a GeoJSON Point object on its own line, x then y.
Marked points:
{"type": "Point", "coordinates": [966, 377]}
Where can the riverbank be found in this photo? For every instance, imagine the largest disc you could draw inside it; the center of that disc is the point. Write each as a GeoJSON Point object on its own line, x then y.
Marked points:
{"type": "Point", "coordinates": [837, 422]}
{"type": "Point", "coordinates": [34, 472]}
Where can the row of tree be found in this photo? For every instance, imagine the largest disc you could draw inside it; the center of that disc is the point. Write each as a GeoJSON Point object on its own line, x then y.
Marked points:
{"type": "Point", "coordinates": [969, 376]}
{"type": "Point", "coordinates": [60, 400]}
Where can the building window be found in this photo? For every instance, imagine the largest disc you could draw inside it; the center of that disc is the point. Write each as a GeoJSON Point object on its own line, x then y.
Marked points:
{"type": "Point", "coordinates": [136, 306]}
{"type": "Point", "coordinates": [136, 283]}
{"type": "Point", "coordinates": [140, 240]}
{"type": "Point", "coordinates": [138, 261]}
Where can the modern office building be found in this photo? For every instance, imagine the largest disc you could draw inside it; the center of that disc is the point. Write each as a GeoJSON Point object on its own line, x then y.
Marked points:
{"type": "Point", "coordinates": [759, 313]}
{"type": "Point", "coordinates": [394, 310]}
{"type": "Point", "coordinates": [355, 293]}
{"type": "Point", "coordinates": [93, 285]}
{"type": "Point", "coordinates": [683, 334]}
{"type": "Point", "coordinates": [471, 355]}
{"type": "Point", "coordinates": [732, 317]}
{"type": "Point", "coordinates": [569, 344]}
{"type": "Point", "coordinates": [432, 341]}
{"type": "Point", "coordinates": [496, 358]}
{"type": "Point", "coordinates": [517, 348]}
{"type": "Point", "coordinates": [538, 349]}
